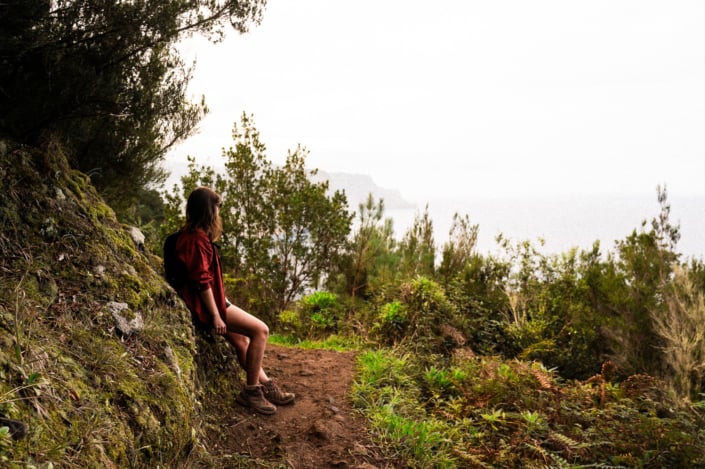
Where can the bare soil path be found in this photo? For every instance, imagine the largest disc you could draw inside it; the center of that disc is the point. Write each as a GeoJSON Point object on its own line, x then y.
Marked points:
{"type": "Point", "coordinates": [321, 430]}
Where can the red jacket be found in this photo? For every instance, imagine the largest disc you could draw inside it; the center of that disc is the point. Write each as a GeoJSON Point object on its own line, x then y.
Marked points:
{"type": "Point", "coordinates": [201, 257]}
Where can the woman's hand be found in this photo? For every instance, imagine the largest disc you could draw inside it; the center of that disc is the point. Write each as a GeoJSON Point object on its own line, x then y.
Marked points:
{"type": "Point", "coordinates": [219, 326]}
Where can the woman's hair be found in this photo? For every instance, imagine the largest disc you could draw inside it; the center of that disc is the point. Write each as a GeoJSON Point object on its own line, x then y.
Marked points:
{"type": "Point", "coordinates": [202, 212]}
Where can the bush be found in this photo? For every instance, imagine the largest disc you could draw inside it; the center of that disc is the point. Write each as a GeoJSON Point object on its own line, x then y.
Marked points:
{"type": "Point", "coordinates": [314, 316]}
{"type": "Point", "coordinates": [492, 412]}
{"type": "Point", "coordinates": [391, 322]}
{"type": "Point", "coordinates": [423, 320]}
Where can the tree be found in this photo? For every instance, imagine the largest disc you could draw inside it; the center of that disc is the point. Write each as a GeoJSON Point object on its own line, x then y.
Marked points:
{"type": "Point", "coordinates": [281, 232]}
{"type": "Point", "coordinates": [681, 326]}
{"type": "Point", "coordinates": [644, 260]}
{"type": "Point", "coordinates": [369, 260]}
{"type": "Point", "coordinates": [417, 249]}
{"type": "Point", "coordinates": [314, 226]}
{"type": "Point", "coordinates": [103, 79]}
{"type": "Point", "coordinates": [459, 249]}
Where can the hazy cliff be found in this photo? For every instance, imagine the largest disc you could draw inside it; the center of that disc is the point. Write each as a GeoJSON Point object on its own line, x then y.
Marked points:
{"type": "Point", "coordinates": [357, 187]}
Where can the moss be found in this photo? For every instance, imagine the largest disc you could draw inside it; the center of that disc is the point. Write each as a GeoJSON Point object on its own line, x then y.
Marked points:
{"type": "Point", "coordinates": [9, 216]}
{"type": "Point", "coordinates": [102, 211]}
{"type": "Point", "coordinates": [89, 397]}
{"type": "Point", "coordinates": [129, 281]}
{"type": "Point", "coordinates": [41, 288]}
{"type": "Point", "coordinates": [77, 182]}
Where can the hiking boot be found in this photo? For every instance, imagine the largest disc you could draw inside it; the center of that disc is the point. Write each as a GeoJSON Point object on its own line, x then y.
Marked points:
{"type": "Point", "coordinates": [252, 397]}
{"type": "Point", "coordinates": [275, 395]}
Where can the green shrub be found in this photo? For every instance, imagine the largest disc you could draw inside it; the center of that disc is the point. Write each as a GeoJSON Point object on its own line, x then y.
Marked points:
{"type": "Point", "coordinates": [290, 322]}
{"type": "Point", "coordinates": [391, 323]}
{"type": "Point", "coordinates": [323, 309]}
{"type": "Point", "coordinates": [428, 313]}
{"type": "Point", "coordinates": [314, 316]}
{"type": "Point", "coordinates": [492, 412]}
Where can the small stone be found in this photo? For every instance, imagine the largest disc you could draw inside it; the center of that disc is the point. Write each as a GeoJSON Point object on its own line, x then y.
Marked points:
{"type": "Point", "coordinates": [116, 307]}
{"type": "Point", "coordinates": [319, 431]}
{"type": "Point", "coordinates": [126, 325]}
{"type": "Point", "coordinates": [137, 237]}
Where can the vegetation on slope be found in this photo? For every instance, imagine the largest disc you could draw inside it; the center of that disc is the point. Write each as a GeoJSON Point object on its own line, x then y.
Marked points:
{"type": "Point", "coordinates": [587, 358]}
{"type": "Point", "coordinates": [105, 79]}
{"type": "Point", "coordinates": [467, 410]}
{"type": "Point", "coordinates": [432, 401]}
{"type": "Point", "coordinates": [88, 391]}
{"type": "Point", "coordinates": [584, 359]}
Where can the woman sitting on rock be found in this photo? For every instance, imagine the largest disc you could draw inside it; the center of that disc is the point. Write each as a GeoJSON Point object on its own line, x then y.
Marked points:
{"type": "Point", "coordinates": [204, 295]}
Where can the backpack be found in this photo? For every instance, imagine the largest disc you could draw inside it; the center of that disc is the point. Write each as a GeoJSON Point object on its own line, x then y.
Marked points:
{"type": "Point", "coordinates": [175, 270]}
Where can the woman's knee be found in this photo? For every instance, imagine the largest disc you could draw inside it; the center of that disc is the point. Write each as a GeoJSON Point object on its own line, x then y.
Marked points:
{"type": "Point", "coordinates": [244, 323]}
{"type": "Point", "coordinates": [240, 341]}
{"type": "Point", "coordinates": [263, 330]}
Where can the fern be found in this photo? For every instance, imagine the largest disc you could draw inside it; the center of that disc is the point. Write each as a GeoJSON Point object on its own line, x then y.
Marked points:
{"type": "Point", "coordinates": [473, 459]}
{"type": "Point", "coordinates": [567, 442]}
{"type": "Point", "coordinates": [549, 456]}
{"type": "Point", "coordinates": [600, 466]}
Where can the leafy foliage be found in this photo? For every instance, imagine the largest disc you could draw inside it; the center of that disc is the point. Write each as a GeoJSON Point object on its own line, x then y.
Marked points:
{"type": "Point", "coordinates": [496, 413]}
{"type": "Point", "coordinates": [458, 251]}
{"type": "Point", "coordinates": [417, 249]}
{"type": "Point", "coordinates": [281, 232]}
{"type": "Point", "coordinates": [316, 315]}
{"type": "Point", "coordinates": [536, 320]}
{"type": "Point", "coordinates": [368, 263]}
{"type": "Point", "coordinates": [103, 79]}
{"type": "Point", "coordinates": [644, 260]}
{"type": "Point", "coordinates": [681, 327]}
{"type": "Point", "coordinates": [470, 357]}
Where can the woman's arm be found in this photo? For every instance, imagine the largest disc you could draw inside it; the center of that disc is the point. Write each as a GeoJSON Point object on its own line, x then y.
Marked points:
{"type": "Point", "coordinates": [219, 326]}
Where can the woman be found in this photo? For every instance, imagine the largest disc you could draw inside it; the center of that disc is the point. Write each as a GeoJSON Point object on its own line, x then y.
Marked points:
{"type": "Point", "coordinates": [204, 295]}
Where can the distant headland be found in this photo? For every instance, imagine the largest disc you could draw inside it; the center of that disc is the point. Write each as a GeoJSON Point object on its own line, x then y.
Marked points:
{"type": "Point", "coordinates": [357, 187]}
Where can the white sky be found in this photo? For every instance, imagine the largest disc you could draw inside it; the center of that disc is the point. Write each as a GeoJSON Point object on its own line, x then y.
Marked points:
{"type": "Point", "coordinates": [458, 98]}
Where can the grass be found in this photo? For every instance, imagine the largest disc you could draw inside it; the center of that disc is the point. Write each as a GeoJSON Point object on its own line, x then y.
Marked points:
{"type": "Point", "coordinates": [333, 342]}
{"type": "Point", "coordinates": [389, 398]}
{"type": "Point", "coordinates": [88, 396]}
{"type": "Point", "coordinates": [489, 412]}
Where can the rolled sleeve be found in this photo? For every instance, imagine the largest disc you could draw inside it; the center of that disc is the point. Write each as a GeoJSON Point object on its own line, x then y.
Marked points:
{"type": "Point", "coordinates": [204, 272]}
{"type": "Point", "coordinates": [199, 265]}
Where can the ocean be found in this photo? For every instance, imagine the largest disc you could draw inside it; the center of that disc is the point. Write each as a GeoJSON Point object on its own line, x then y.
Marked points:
{"type": "Point", "coordinates": [562, 222]}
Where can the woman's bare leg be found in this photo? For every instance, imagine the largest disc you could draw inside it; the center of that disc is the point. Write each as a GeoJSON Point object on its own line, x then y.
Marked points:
{"type": "Point", "coordinates": [241, 344]}
{"type": "Point", "coordinates": [249, 337]}
{"type": "Point", "coordinates": [251, 352]}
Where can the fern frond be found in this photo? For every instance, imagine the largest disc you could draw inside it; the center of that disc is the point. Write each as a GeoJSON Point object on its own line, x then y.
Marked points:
{"type": "Point", "coordinates": [567, 442]}
{"type": "Point", "coordinates": [549, 457]}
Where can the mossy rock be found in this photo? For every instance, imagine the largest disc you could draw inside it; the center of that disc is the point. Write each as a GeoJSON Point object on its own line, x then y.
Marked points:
{"type": "Point", "coordinates": [88, 396]}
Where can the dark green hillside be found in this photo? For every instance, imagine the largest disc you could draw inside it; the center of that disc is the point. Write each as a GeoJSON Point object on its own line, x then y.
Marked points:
{"type": "Point", "coordinates": [86, 390]}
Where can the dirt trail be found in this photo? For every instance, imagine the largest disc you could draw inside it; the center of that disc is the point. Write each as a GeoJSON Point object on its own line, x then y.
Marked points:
{"type": "Point", "coordinates": [321, 430]}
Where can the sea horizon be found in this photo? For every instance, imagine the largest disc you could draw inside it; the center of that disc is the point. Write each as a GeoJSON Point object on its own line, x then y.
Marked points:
{"type": "Point", "coordinates": [561, 222]}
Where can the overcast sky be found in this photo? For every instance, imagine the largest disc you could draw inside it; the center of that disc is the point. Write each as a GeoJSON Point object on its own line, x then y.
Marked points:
{"type": "Point", "coordinates": [469, 98]}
